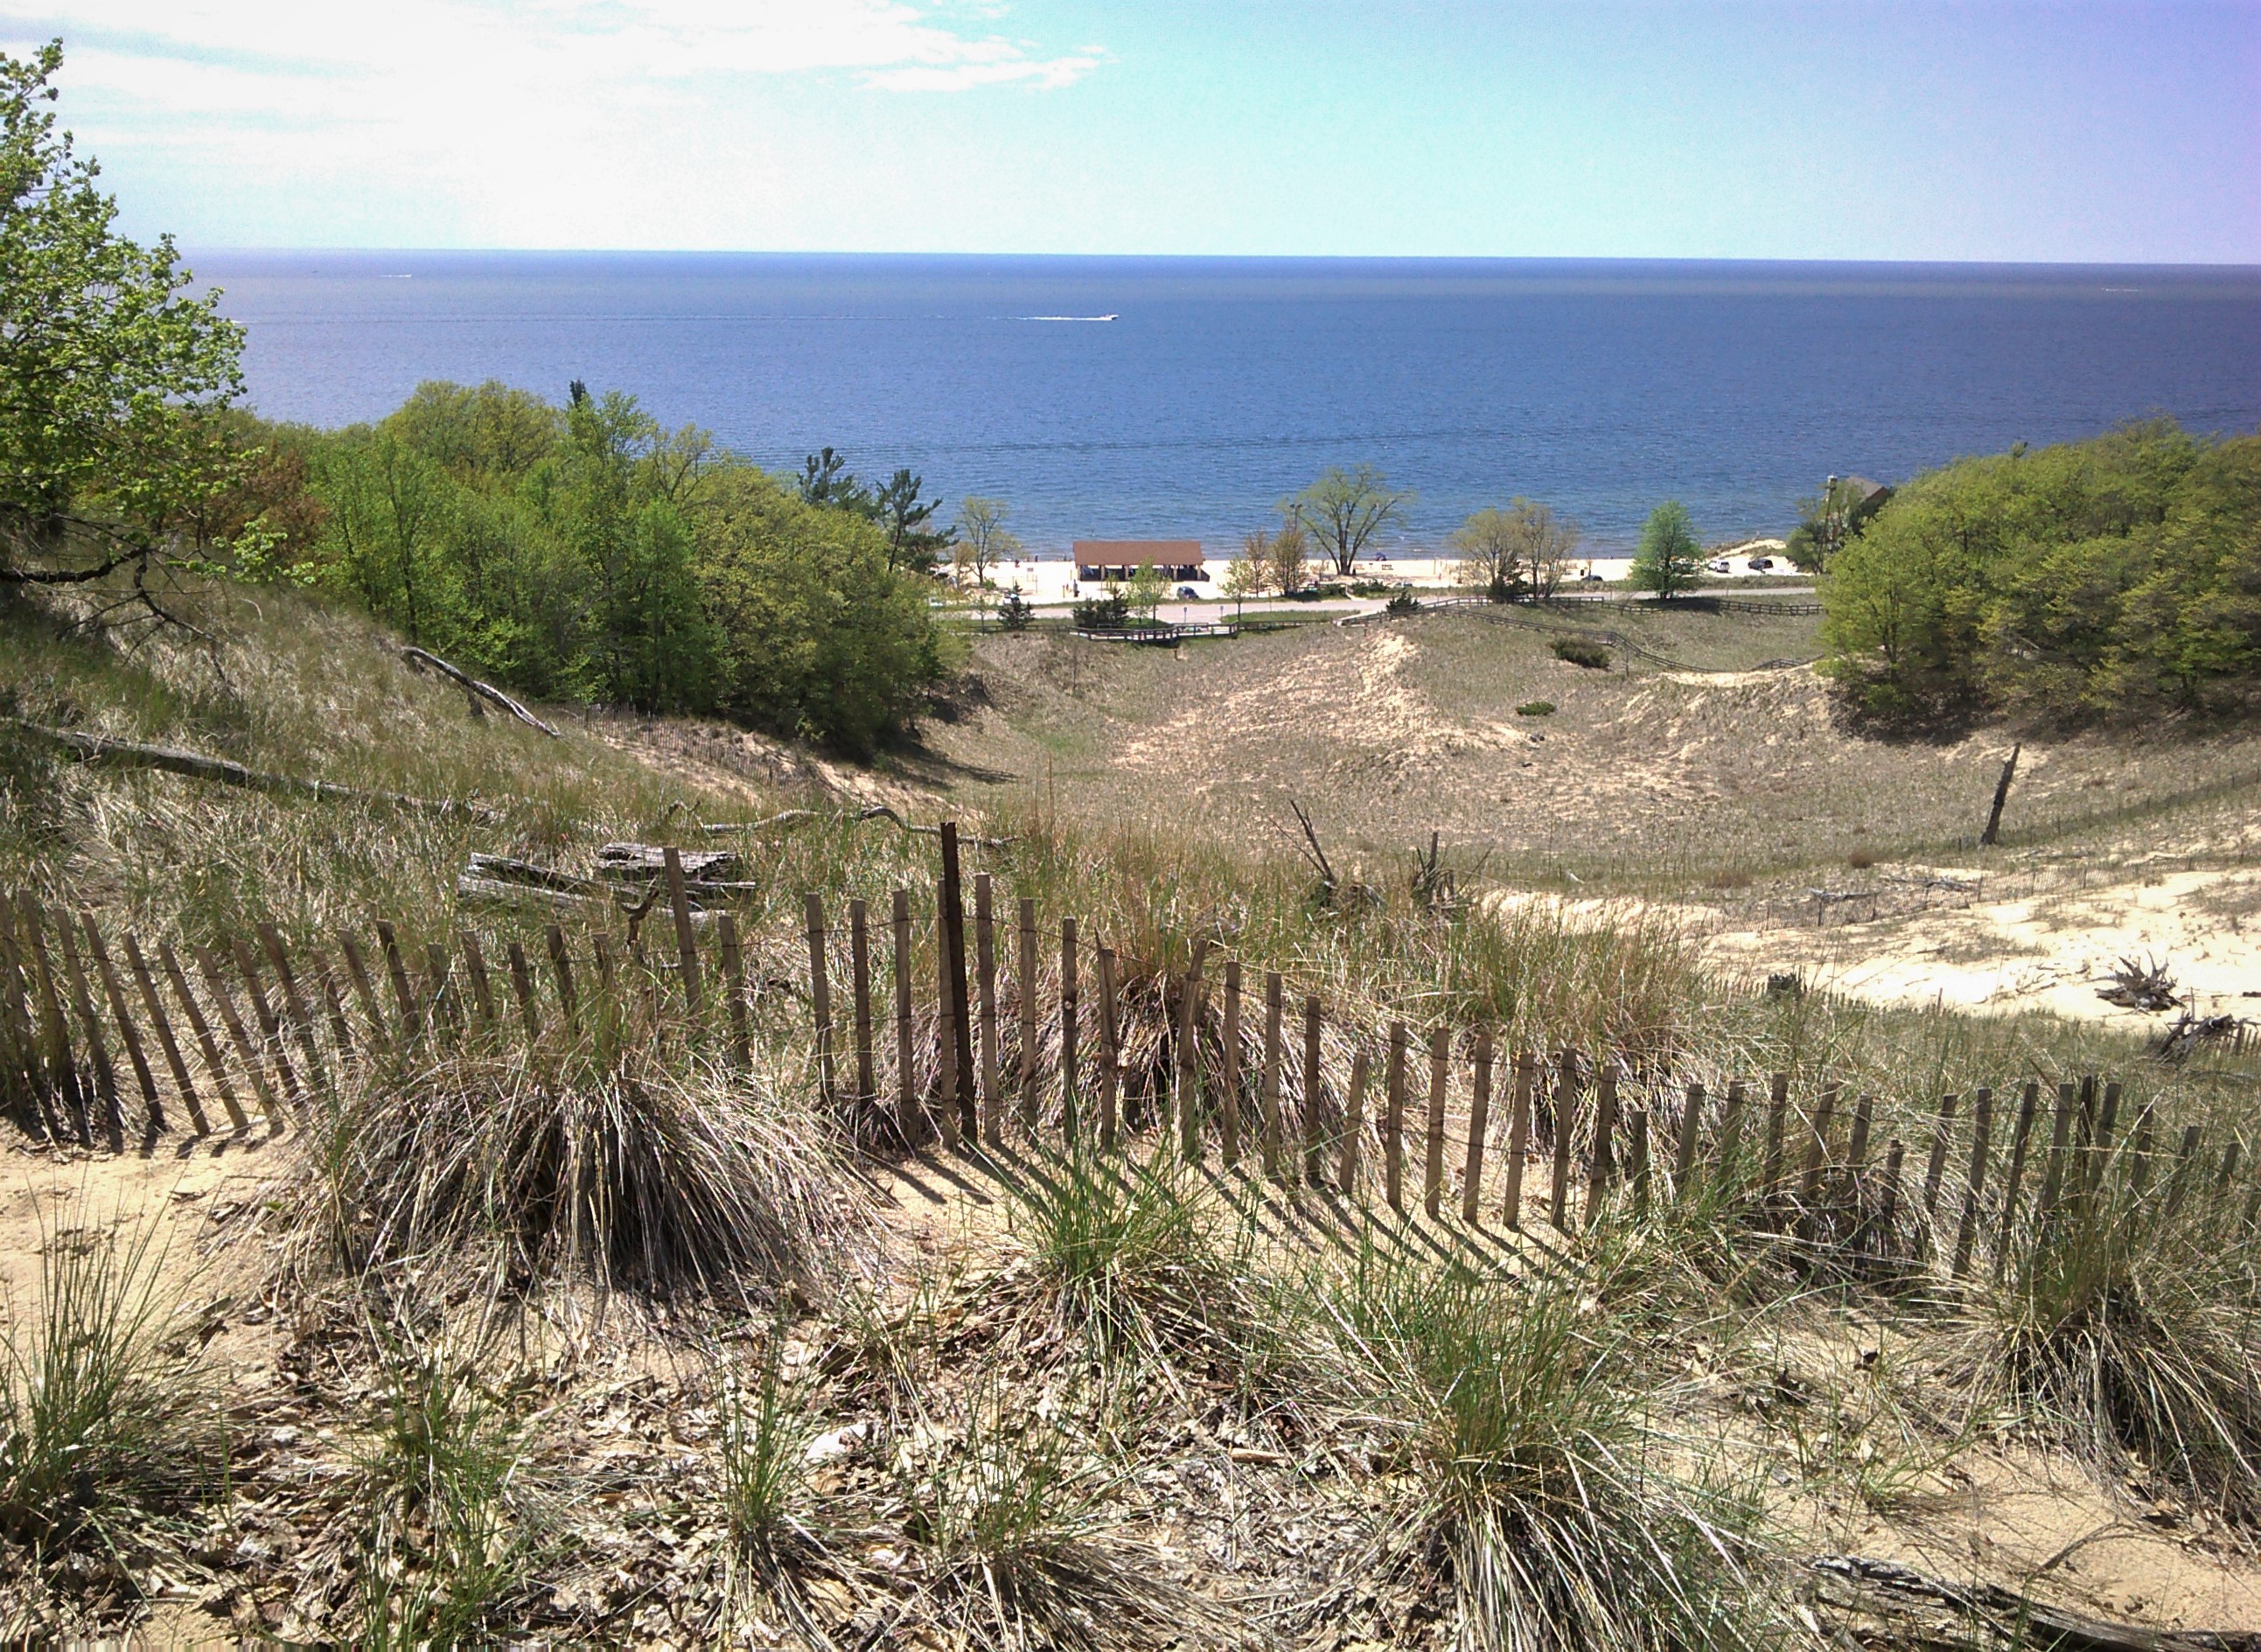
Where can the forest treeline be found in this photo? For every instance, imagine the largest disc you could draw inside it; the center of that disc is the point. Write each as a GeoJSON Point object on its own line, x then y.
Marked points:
{"type": "Point", "coordinates": [581, 552]}
{"type": "Point", "coordinates": [2096, 581]}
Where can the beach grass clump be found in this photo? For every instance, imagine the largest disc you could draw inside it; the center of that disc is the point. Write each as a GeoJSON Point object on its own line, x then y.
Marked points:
{"type": "Point", "coordinates": [2134, 1335]}
{"type": "Point", "coordinates": [105, 1427]}
{"type": "Point", "coordinates": [653, 1172]}
{"type": "Point", "coordinates": [1545, 1493]}
{"type": "Point", "coordinates": [1019, 1548]}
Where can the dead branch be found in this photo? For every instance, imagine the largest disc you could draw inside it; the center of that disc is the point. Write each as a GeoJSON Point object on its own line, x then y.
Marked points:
{"type": "Point", "coordinates": [2021, 1620]}
{"type": "Point", "coordinates": [94, 748]}
{"type": "Point", "coordinates": [1311, 851]}
{"type": "Point", "coordinates": [423, 659]}
{"type": "Point", "coordinates": [875, 811]}
{"type": "Point", "coordinates": [2147, 986]}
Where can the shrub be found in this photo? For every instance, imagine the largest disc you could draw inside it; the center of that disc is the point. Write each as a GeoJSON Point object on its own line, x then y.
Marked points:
{"type": "Point", "coordinates": [1582, 650]}
{"type": "Point", "coordinates": [1015, 613]}
{"type": "Point", "coordinates": [1535, 708]}
{"type": "Point", "coordinates": [1403, 601]}
{"type": "Point", "coordinates": [1109, 612]}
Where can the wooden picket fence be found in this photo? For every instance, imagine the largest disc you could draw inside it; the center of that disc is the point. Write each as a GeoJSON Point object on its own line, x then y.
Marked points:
{"type": "Point", "coordinates": [1005, 1045]}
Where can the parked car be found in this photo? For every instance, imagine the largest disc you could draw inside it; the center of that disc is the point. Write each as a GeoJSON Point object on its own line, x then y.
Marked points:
{"type": "Point", "coordinates": [1719, 566]}
{"type": "Point", "coordinates": [1590, 578]}
{"type": "Point", "coordinates": [1187, 593]}
{"type": "Point", "coordinates": [1761, 564]}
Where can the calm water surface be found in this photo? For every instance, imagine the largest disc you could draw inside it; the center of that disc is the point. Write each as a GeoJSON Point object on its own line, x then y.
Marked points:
{"type": "Point", "coordinates": [1219, 385]}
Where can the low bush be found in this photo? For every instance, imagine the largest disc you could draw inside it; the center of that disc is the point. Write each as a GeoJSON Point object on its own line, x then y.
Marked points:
{"type": "Point", "coordinates": [1582, 650]}
{"type": "Point", "coordinates": [1535, 708]}
{"type": "Point", "coordinates": [1109, 612]}
{"type": "Point", "coordinates": [1402, 601]}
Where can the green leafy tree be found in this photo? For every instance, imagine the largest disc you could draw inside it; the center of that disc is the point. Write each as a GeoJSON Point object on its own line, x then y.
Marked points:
{"type": "Point", "coordinates": [912, 545]}
{"type": "Point", "coordinates": [106, 362]}
{"type": "Point", "coordinates": [1147, 592]}
{"type": "Point", "coordinates": [1517, 552]}
{"type": "Point", "coordinates": [1250, 573]}
{"type": "Point", "coordinates": [983, 541]}
{"type": "Point", "coordinates": [1290, 558]}
{"type": "Point", "coordinates": [1670, 558]}
{"type": "Point", "coordinates": [1828, 520]}
{"type": "Point", "coordinates": [1342, 511]}
{"type": "Point", "coordinates": [827, 483]}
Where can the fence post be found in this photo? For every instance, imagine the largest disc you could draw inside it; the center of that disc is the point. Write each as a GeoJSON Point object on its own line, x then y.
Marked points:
{"type": "Point", "coordinates": [1857, 1150]}
{"type": "Point", "coordinates": [859, 966]}
{"type": "Point", "coordinates": [522, 986]}
{"type": "Point", "coordinates": [62, 1071]}
{"type": "Point", "coordinates": [1068, 1032]}
{"type": "Point", "coordinates": [1028, 990]}
{"type": "Point", "coordinates": [1268, 1095]}
{"type": "Point", "coordinates": [1730, 1147]}
{"type": "Point", "coordinates": [2060, 1140]}
{"type": "Point", "coordinates": [105, 1076]}
{"type": "Point", "coordinates": [114, 990]}
{"type": "Point", "coordinates": [357, 974]}
{"type": "Point", "coordinates": [215, 1066]}
{"type": "Point", "coordinates": [686, 945]}
{"type": "Point", "coordinates": [216, 984]}
{"type": "Point", "coordinates": [961, 1006]}
{"type": "Point", "coordinates": [1566, 1116]}
{"type": "Point", "coordinates": [2184, 1159]}
{"type": "Point", "coordinates": [1637, 1128]}
{"type": "Point", "coordinates": [1109, 1071]}
{"type": "Point", "coordinates": [1187, 1080]}
{"type": "Point", "coordinates": [907, 1121]}
{"type": "Point", "coordinates": [1433, 1161]}
{"type": "Point", "coordinates": [2229, 1157]}
{"type": "Point", "coordinates": [734, 994]}
{"type": "Point", "coordinates": [1937, 1167]}
{"type": "Point", "coordinates": [820, 985]}
{"type": "Point", "coordinates": [1981, 1130]}
{"type": "Point", "coordinates": [1393, 1127]}
{"type": "Point", "coordinates": [2100, 1136]}
{"type": "Point", "coordinates": [294, 1009]}
{"type": "Point", "coordinates": [1889, 1212]}
{"type": "Point", "coordinates": [1361, 1068]}
{"type": "Point", "coordinates": [15, 1026]}
{"type": "Point", "coordinates": [2021, 1143]}
{"type": "Point", "coordinates": [444, 1005]}
{"type": "Point", "coordinates": [1683, 1150]}
{"type": "Point", "coordinates": [1603, 1170]}
{"type": "Point", "coordinates": [1479, 1122]}
{"type": "Point", "coordinates": [1518, 1134]}
{"type": "Point", "coordinates": [333, 1003]}
{"type": "Point", "coordinates": [985, 954]}
{"type": "Point", "coordinates": [1816, 1159]}
{"type": "Point", "coordinates": [946, 1064]}
{"type": "Point", "coordinates": [1228, 1102]}
{"type": "Point", "coordinates": [1314, 1078]}
{"type": "Point", "coordinates": [474, 963]}
{"type": "Point", "coordinates": [1777, 1112]}
{"type": "Point", "coordinates": [166, 1042]}
{"type": "Point", "coordinates": [561, 968]}
{"type": "Point", "coordinates": [2139, 1160]}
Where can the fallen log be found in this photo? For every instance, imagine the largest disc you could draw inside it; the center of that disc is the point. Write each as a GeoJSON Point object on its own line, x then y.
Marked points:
{"type": "Point", "coordinates": [424, 660]}
{"type": "Point", "coordinates": [642, 862]}
{"type": "Point", "coordinates": [2022, 1620]}
{"type": "Point", "coordinates": [95, 748]}
{"type": "Point", "coordinates": [875, 811]}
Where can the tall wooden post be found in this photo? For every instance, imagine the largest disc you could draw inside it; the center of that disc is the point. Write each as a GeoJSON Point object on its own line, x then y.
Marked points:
{"type": "Point", "coordinates": [1982, 1127]}
{"type": "Point", "coordinates": [1566, 1124]}
{"type": "Point", "coordinates": [208, 1046]}
{"type": "Point", "coordinates": [1433, 1160]}
{"type": "Point", "coordinates": [1068, 1030]}
{"type": "Point", "coordinates": [1683, 1152]}
{"type": "Point", "coordinates": [1361, 1069]}
{"type": "Point", "coordinates": [860, 965]}
{"type": "Point", "coordinates": [1228, 1100]}
{"type": "Point", "coordinates": [1604, 1167]}
{"type": "Point", "coordinates": [961, 1008]}
{"type": "Point", "coordinates": [1110, 1060]}
{"type": "Point", "coordinates": [1028, 991]}
{"type": "Point", "coordinates": [908, 1122]}
{"type": "Point", "coordinates": [1186, 1083]}
{"type": "Point", "coordinates": [1274, 1009]}
{"type": "Point", "coordinates": [1393, 1125]}
{"type": "Point", "coordinates": [163, 1027]}
{"type": "Point", "coordinates": [820, 987]}
{"type": "Point", "coordinates": [114, 990]}
{"type": "Point", "coordinates": [2021, 1139]}
{"type": "Point", "coordinates": [1479, 1121]}
{"type": "Point", "coordinates": [734, 993]}
{"type": "Point", "coordinates": [984, 938]}
{"type": "Point", "coordinates": [1519, 1135]}
{"type": "Point", "coordinates": [1937, 1168]}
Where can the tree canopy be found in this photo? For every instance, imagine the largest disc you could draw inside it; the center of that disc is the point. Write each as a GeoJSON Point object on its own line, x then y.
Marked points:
{"type": "Point", "coordinates": [1516, 552]}
{"type": "Point", "coordinates": [2092, 580]}
{"type": "Point", "coordinates": [109, 366]}
{"type": "Point", "coordinates": [1670, 558]}
{"type": "Point", "coordinates": [1342, 511]}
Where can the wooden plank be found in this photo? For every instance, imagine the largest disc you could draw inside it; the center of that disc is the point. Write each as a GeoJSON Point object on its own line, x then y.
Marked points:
{"type": "Point", "coordinates": [1937, 1168]}
{"type": "Point", "coordinates": [1566, 1125]}
{"type": "Point", "coordinates": [1777, 1113]}
{"type": "Point", "coordinates": [130, 1036]}
{"type": "Point", "coordinates": [1888, 1212]}
{"type": "Point", "coordinates": [1109, 1055]}
{"type": "Point", "coordinates": [2185, 1158]}
{"type": "Point", "coordinates": [411, 1025]}
{"type": "Point", "coordinates": [1684, 1150]}
{"type": "Point", "coordinates": [820, 990]}
{"type": "Point", "coordinates": [1810, 1180]}
{"type": "Point", "coordinates": [294, 1008]}
{"type": "Point", "coordinates": [2221, 1183]}
{"type": "Point", "coordinates": [1187, 1084]}
{"type": "Point", "coordinates": [1268, 1092]}
{"type": "Point", "coordinates": [1479, 1124]}
{"type": "Point", "coordinates": [208, 1046]}
{"type": "Point", "coordinates": [1314, 1080]}
{"type": "Point", "coordinates": [1432, 1159]}
{"type": "Point", "coordinates": [1068, 1032]}
{"type": "Point", "coordinates": [340, 1030]}
{"type": "Point", "coordinates": [908, 1121]}
{"type": "Point", "coordinates": [1518, 1134]}
{"type": "Point", "coordinates": [1393, 1121]}
{"type": "Point", "coordinates": [2021, 1143]}
{"type": "Point", "coordinates": [2100, 1134]}
{"type": "Point", "coordinates": [1361, 1069]}
{"type": "Point", "coordinates": [1602, 1171]}
{"type": "Point", "coordinates": [1028, 990]}
{"type": "Point", "coordinates": [859, 971]}
{"type": "Point", "coordinates": [1982, 1131]}
{"type": "Point", "coordinates": [734, 997]}
{"type": "Point", "coordinates": [62, 1076]}
{"type": "Point", "coordinates": [985, 953]}
{"type": "Point", "coordinates": [1857, 1150]}
{"type": "Point", "coordinates": [1637, 1131]}
{"type": "Point", "coordinates": [945, 1030]}
{"type": "Point", "coordinates": [161, 1025]}
{"type": "Point", "coordinates": [2060, 1138]}
{"type": "Point", "coordinates": [216, 984]}
{"type": "Point", "coordinates": [475, 966]}
{"type": "Point", "coordinates": [521, 988]}
{"type": "Point", "coordinates": [269, 1020]}
{"type": "Point", "coordinates": [105, 1076]}
{"type": "Point", "coordinates": [364, 992]}
{"type": "Point", "coordinates": [1228, 1100]}
{"type": "Point", "coordinates": [687, 942]}
{"type": "Point", "coordinates": [2139, 1158]}
{"type": "Point", "coordinates": [961, 1006]}
{"type": "Point", "coordinates": [22, 1062]}
{"type": "Point", "coordinates": [1729, 1174]}
{"type": "Point", "coordinates": [561, 971]}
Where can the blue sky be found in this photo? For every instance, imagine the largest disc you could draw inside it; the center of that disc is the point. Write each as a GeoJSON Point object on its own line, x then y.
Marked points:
{"type": "Point", "coordinates": [2006, 131]}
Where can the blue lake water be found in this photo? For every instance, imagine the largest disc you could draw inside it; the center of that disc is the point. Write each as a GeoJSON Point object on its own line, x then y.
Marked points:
{"type": "Point", "coordinates": [1218, 385]}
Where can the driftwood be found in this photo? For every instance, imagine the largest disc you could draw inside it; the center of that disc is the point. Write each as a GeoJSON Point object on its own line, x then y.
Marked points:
{"type": "Point", "coordinates": [422, 659]}
{"type": "Point", "coordinates": [1987, 838]}
{"type": "Point", "coordinates": [2018, 1619]}
{"type": "Point", "coordinates": [623, 885]}
{"type": "Point", "coordinates": [2182, 1040]}
{"type": "Point", "coordinates": [94, 748]}
{"type": "Point", "coordinates": [874, 811]}
{"type": "Point", "coordinates": [641, 863]}
{"type": "Point", "coordinates": [2147, 986]}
